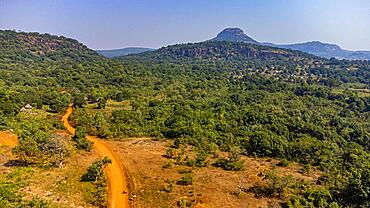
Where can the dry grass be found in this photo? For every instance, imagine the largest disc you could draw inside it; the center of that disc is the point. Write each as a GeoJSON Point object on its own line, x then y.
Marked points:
{"type": "Point", "coordinates": [8, 139]}
{"type": "Point", "coordinates": [212, 187]}
{"type": "Point", "coordinates": [60, 186]}
{"type": "Point", "coordinates": [149, 181]}
{"type": "Point", "coordinates": [111, 106]}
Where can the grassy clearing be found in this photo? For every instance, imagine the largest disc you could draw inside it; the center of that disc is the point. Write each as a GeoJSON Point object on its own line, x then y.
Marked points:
{"type": "Point", "coordinates": [111, 106]}
{"type": "Point", "coordinates": [155, 183]}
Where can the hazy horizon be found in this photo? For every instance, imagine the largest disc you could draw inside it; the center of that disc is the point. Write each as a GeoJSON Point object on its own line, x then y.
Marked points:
{"type": "Point", "coordinates": [153, 24]}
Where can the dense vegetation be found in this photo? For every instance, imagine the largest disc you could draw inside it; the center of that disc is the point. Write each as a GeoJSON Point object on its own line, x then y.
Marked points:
{"type": "Point", "coordinates": [261, 101]}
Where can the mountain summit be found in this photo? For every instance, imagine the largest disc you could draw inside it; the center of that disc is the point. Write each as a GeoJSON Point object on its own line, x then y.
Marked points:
{"type": "Point", "coordinates": [234, 35]}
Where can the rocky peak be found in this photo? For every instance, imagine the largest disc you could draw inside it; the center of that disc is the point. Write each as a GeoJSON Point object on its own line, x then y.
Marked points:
{"type": "Point", "coordinates": [234, 35]}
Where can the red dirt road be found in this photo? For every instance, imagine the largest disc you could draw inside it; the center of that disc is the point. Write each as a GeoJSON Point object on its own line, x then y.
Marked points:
{"type": "Point", "coordinates": [8, 139]}
{"type": "Point", "coordinates": [118, 197]}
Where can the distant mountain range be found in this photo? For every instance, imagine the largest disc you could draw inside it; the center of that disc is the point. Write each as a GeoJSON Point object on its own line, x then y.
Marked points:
{"type": "Point", "coordinates": [325, 50]}
{"type": "Point", "coordinates": [123, 51]}
{"type": "Point", "coordinates": [316, 48]}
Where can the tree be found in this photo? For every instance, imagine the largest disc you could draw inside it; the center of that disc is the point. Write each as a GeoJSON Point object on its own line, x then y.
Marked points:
{"type": "Point", "coordinates": [276, 184]}
{"type": "Point", "coordinates": [58, 102]}
{"type": "Point", "coordinates": [358, 188]}
{"type": "Point", "coordinates": [102, 103]}
{"type": "Point", "coordinates": [31, 138]}
{"type": "Point", "coordinates": [233, 162]}
{"type": "Point", "coordinates": [95, 171]}
{"type": "Point", "coordinates": [101, 125]}
{"type": "Point", "coordinates": [79, 100]}
{"type": "Point", "coordinates": [266, 143]}
{"type": "Point", "coordinates": [38, 147]}
{"type": "Point", "coordinates": [81, 139]}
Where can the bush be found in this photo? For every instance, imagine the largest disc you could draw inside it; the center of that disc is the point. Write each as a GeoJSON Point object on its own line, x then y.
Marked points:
{"type": "Point", "coordinates": [306, 169]}
{"type": "Point", "coordinates": [97, 195]}
{"type": "Point", "coordinates": [184, 203]}
{"type": "Point", "coordinates": [276, 185]}
{"type": "Point", "coordinates": [36, 203]}
{"type": "Point", "coordinates": [319, 197]}
{"type": "Point", "coordinates": [81, 141]}
{"type": "Point", "coordinates": [169, 187]}
{"type": "Point", "coordinates": [187, 179]}
{"type": "Point", "coordinates": [199, 161]}
{"type": "Point", "coordinates": [95, 171]}
{"type": "Point", "coordinates": [283, 163]}
{"type": "Point", "coordinates": [233, 161]}
{"type": "Point", "coordinates": [170, 152]}
{"type": "Point", "coordinates": [37, 146]}
{"type": "Point", "coordinates": [226, 164]}
{"type": "Point", "coordinates": [266, 143]}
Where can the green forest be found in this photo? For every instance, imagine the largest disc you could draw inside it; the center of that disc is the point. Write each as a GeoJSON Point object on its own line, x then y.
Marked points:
{"type": "Point", "coordinates": [236, 97]}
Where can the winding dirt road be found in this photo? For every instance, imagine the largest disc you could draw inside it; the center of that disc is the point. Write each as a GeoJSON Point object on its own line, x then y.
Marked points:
{"type": "Point", "coordinates": [8, 139]}
{"type": "Point", "coordinates": [118, 197]}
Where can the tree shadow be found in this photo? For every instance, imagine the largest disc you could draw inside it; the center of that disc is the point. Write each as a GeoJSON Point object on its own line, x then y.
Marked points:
{"type": "Point", "coordinates": [16, 163]}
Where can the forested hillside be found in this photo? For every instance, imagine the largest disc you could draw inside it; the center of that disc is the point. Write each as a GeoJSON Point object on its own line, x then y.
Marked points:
{"type": "Point", "coordinates": [123, 51]}
{"type": "Point", "coordinates": [235, 97]}
{"type": "Point", "coordinates": [242, 58]}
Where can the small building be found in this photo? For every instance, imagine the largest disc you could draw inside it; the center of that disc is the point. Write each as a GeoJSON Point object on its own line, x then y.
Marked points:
{"type": "Point", "coordinates": [27, 108]}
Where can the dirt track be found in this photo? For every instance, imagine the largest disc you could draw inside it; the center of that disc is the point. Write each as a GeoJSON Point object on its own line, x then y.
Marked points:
{"type": "Point", "coordinates": [118, 197]}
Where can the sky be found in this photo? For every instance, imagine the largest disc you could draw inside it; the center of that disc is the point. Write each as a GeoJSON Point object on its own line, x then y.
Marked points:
{"type": "Point", "coordinates": [108, 24]}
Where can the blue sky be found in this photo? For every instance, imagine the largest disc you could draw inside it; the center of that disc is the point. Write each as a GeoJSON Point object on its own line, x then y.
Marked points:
{"type": "Point", "coordinates": [105, 24]}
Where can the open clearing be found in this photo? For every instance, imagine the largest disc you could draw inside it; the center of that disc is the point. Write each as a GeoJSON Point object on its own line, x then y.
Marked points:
{"type": "Point", "coordinates": [212, 187]}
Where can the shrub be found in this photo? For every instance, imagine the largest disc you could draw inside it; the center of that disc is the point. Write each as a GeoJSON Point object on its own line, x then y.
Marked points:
{"type": "Point", "coordinates": [187, 179]}
{"type": "Point", "coordinates": [233, 161]}
{"type": "Point", "coordinates": [170, 152]}
{"type": "Point", "coordinates": [36, 203]}
{"type": "Point", "coordinates": [226, 164]}
{"type": "Point", "coordinates": [200, 160]}
{"type": "Point", "coordinates": [169, 187]}
{"type": "Point", "coordinates": [184, 202]}
{"type": "Point", "coordinates": [168, 164]}
{"type": "Point", "coordinates": [81, 141]}
{"type": "Point", "coordinates": [318, 197]}
{"type": "Point", "coordinates": [276, 185]}
{"type": "Point", "coordinates": [283, 163]}
{"type": "Point", "coordinates": [267, 143]}
{"type": "Point", "coordinates": [95, 171]}
{"type": "Point", "coordinates": [306, 169]}
{"type": "Point", "coordinates": [97, 195]}
{"type": "Point", "coordinates": [37, 146]}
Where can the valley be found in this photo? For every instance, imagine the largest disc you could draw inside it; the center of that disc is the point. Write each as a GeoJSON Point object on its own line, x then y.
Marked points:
{"type": "Point", "coordinates": [209, 124]}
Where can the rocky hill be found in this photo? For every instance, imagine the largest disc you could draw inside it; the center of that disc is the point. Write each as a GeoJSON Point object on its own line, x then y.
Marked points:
{"type": "Point", "coordinates": [26, 46]}
{"type": "Point", "coordinates": [235, 35]}
{"type": "Point", "coordinates": [226, 50]}
{"type": "Point", "coordinates": [316, 48]}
